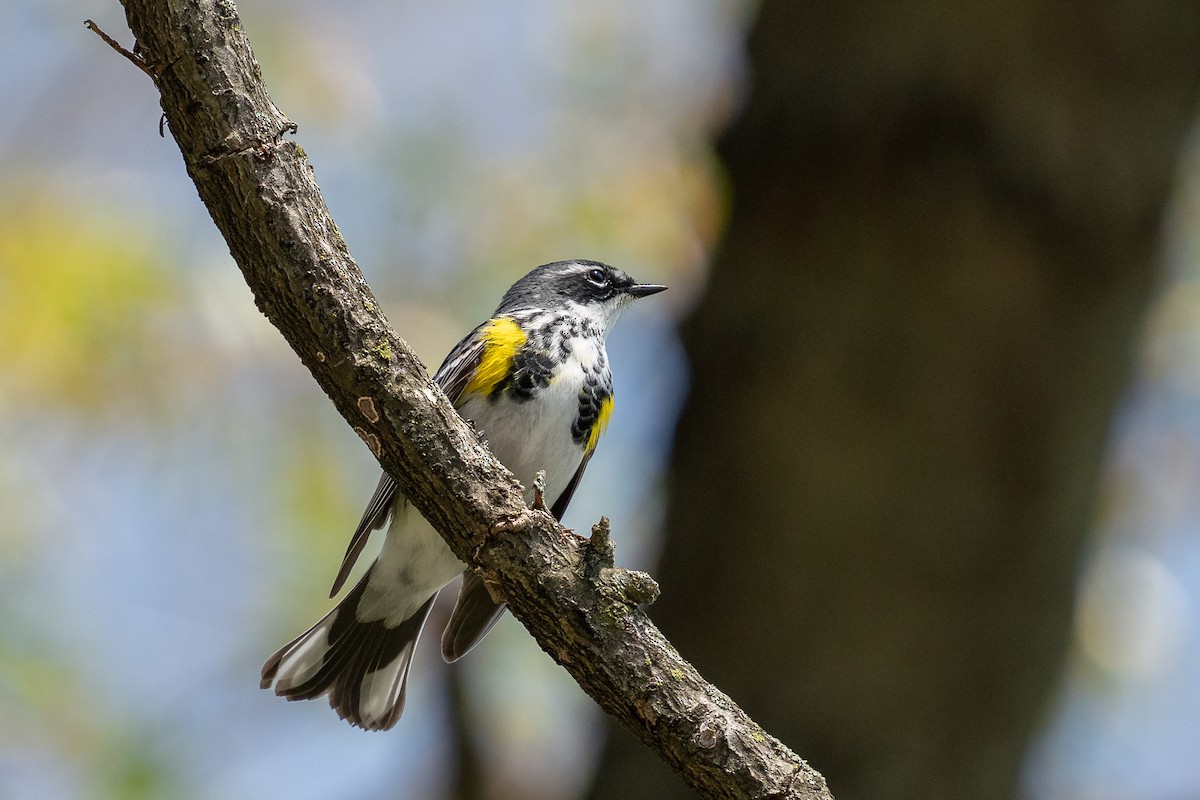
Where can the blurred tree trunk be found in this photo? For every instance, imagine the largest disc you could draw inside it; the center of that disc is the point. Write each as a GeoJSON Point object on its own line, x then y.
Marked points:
{"type": "Point", "coordinates": [943, 235]}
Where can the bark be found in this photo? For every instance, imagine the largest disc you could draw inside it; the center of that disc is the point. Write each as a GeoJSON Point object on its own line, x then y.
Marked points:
{"type": "Point", "coordinates": [259, 189]}
{"type": "Point", "coordinates": [944, 232]}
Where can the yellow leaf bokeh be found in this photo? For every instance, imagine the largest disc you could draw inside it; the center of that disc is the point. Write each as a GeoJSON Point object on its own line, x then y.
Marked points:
{"type": "Point", "coordinates": [83, 305]}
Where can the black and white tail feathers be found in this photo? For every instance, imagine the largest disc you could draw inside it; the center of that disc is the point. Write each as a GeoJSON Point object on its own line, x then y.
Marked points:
{"type": "Point", "coordinates": [362, 665]}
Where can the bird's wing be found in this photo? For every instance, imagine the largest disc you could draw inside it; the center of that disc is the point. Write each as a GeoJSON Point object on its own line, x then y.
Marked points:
{"type": "Point", "coordinates": [378, 510]}
{"type": "Point", "coordinates": [455, 372]}
{"type": "Point", "coordinates": [560, 505]}
{"type": "Point", "coordinates": [452, 377]}
{"type": "Point", "coordinates": [475, 613]}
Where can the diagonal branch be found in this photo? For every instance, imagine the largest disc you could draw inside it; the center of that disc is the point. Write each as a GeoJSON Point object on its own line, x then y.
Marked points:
{"type": "Point", "coordinates": [259, 189]}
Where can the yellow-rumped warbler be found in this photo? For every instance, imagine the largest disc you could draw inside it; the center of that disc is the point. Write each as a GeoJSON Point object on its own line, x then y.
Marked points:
{"type": "Point", "coordinates": [534, 380]}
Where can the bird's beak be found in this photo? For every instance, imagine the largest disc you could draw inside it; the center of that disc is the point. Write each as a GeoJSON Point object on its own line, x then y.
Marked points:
{"type": "Point", "coordinates": [644, 289]}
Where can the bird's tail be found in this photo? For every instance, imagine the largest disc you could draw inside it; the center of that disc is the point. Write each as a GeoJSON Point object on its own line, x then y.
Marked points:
{"type": "Point", "coordinates": [363, 666]}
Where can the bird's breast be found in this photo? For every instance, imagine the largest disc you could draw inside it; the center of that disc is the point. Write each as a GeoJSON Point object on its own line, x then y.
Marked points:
{"type": "Point", "coordinates": [534, 424]}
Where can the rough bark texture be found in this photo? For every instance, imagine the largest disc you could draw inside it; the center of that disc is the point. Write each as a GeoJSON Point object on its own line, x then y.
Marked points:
{"type": "Point", "coordinates": [260, 191]}
{"type": "Point", "coordinates": [944, 230]}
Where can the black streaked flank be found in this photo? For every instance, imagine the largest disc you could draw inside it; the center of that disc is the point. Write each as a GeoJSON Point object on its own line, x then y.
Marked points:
{"type": "Point", "coordinates": [591, 398]}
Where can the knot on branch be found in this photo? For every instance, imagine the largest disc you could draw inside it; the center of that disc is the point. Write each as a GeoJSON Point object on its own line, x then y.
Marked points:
{"type": "Point", "coordinates": [709, 734]}
{"type": "Point", "coordinates": [718, 729]}
{"type": "Point", "coordinates": [629, 586]}
{"type": "Point", "coordinates": [599, 552]}
{"type": "Point", "coordinates": [634, 587]}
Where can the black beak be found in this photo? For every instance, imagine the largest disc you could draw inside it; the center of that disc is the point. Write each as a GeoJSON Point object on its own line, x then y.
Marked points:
{"type": "Point", "coordinates": [644, 289]}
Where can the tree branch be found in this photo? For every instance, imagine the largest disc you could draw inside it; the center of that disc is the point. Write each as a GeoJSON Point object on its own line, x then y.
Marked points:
{"type": "Point", "coordinates": [259, 189]}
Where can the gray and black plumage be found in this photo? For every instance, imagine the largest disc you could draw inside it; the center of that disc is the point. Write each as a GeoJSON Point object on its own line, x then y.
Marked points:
{"type": "Point", "coordinates": [535, 381]}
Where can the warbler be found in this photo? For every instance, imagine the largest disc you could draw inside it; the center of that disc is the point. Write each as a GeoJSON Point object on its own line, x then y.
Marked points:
{"type": "Point", "coordinates": [535, 381]}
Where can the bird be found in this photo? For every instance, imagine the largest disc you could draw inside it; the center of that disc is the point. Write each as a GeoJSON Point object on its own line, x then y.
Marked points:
{"type": "Point", "coordinates": [534, 380]}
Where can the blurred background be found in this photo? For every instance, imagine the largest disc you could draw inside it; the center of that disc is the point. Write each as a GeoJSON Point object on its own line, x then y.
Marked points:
{"type": "Point", "coordinates": [912, 444]}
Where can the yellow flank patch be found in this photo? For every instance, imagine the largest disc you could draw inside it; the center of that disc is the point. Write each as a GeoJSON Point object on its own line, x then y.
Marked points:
{"type": "Point", "coordinates": [606, 409]}
{"type": "Point", "coordinates": [502, 338]}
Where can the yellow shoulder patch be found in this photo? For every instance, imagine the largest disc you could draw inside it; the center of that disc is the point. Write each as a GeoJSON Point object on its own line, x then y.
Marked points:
{"type": "Point", "coordinates": [502, 338]}
{"type": "Point", "coordinates": [606, 409]}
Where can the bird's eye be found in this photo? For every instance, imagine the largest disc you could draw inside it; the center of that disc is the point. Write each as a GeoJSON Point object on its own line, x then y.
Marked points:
{"type": "Point", "coordinates": [597, 277]}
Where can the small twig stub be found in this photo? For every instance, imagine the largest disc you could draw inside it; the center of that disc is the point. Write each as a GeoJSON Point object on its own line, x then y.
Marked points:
{"type": "Point", "coordinates": [539, 491]}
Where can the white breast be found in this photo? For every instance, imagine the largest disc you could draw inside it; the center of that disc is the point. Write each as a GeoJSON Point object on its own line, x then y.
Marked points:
{"type": "Point", "coordinates": [536, 434]}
